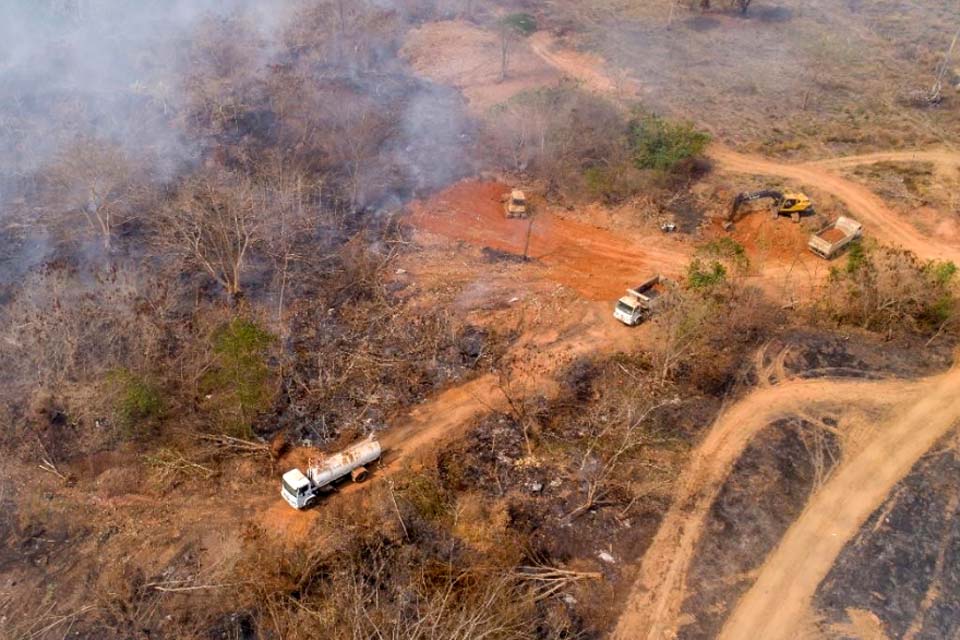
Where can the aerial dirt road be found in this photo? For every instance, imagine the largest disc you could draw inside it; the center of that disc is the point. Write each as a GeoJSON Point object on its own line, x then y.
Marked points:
{"type": "Point", "coordinates": [446, 416]}
{"type": "Point", "coordinates": [788, 579]}
{"type": "Point", "coordinates": [945, 162]}
{"type": "Point", "coordinates": [879, 220]}
{"type": "Point", "coordinates": [653, 609]}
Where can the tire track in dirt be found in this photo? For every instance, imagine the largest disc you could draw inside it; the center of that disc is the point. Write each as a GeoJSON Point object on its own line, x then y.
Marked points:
{"type": "Point", "coordinates": [780, 597]}
{"type": "Point", "coordinates": [880, 221]}
{"type": "Point", "coordinates": [657, 596]}
{"type": "Point", "coordinates": [586, 68]}
{"type": "Point", "coordinates": [945, 161]}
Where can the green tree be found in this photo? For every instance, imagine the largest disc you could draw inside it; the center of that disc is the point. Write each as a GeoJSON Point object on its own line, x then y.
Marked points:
{"type": "Point", "coordinates": [662, 145]}
{"type": "Point", "coordinates": [243, 376]}
{"type": "Point", "coordinates": [137, 402]}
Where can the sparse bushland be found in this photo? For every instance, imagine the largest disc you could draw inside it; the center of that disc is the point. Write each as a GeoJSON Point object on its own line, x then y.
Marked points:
{"type": "Point", "coordinates": [713, 319]}
{"type": "Point", "coordinates": [581, 145]}
{"type": "Point", "coordinates": [891, 292]}
{"type": "Point", "coordinates": [400, 567]}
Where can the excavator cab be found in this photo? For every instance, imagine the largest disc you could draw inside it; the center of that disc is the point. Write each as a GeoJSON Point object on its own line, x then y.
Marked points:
{"type": "Point", "coordinates": [793, 204]}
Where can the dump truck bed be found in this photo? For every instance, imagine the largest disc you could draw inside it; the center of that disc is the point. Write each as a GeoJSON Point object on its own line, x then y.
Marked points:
{"type": "Point", "coordinates": [648, 290]}
{"type": "Point", "coordinates": [830, 240]}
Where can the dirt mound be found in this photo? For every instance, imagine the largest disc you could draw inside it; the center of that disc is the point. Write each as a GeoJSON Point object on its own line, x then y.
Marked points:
{"type": "Point", "coordinates": [597, 263]}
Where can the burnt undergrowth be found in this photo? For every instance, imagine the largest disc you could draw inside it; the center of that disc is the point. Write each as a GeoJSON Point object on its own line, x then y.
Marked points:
{"type": "Point", "coordinates": [904, 564]}
{"type": "Point", "coordinates": [767, 488]}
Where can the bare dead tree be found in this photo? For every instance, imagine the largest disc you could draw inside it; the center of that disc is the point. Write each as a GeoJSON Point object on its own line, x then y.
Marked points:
{"type": "Point", "coordinates": [95, 178]}
{"type": "Point", "coordinates": [936, 92]}
{"type": "Point", "coordinates": [627, 435]}
{"type": "Point", "coordinates": [214, 220]}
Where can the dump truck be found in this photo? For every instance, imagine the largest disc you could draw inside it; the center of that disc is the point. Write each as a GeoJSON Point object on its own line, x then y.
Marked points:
{"type": "Point", "coordinates": [301, 490]}
{"type": "Point", "coordinates": [640, 301]}
{"type": "Point", "coordinates": [516, 204]}
{"type": "Point", "coordinates": [830, 240]}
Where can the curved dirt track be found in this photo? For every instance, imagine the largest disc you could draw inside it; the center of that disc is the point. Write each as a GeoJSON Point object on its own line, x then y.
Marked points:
{"type": "Point", "coordinates": [944, 160]}
{"type": "Point", "coordinates": [781, 594]}
{"type": "Point", "coordinates": [879, 220]}
{"type": "Point", "coordinates": [446, 416]}
{"type": "Point", "coordinates": [658, 593]}
{"type": "Point", "coordinates": [585, 68]}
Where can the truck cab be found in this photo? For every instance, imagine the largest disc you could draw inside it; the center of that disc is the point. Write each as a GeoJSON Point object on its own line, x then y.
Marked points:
{"type": "Point", "coordinates": [516, 204]}
{"type": "Point", "coordinates": [641, 301]}
{"type": "Point", "coordinates": [629, 311]}
{"type": "Point", "coordinates": [297, 489]}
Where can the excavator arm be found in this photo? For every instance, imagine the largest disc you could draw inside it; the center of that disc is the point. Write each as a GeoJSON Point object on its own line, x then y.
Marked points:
{"type": "Point", "coordinates": [753, 196]}
{"type": "Point", "coordinates": [791, 204]}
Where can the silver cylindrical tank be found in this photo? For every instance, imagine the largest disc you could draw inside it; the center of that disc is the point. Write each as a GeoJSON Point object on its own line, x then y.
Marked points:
{"type": "Point", "coordinates": [338, 465]}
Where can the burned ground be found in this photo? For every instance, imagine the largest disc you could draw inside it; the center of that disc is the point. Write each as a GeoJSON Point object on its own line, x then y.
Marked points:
{"type": "Point", "coordinates": [904, 566]}
{"type": "Point", "coordinates": [858, 354]}
{"type": "Point", "coordinates": [576, 438]}
{"type": "Point", "coordinates": [766, 489]}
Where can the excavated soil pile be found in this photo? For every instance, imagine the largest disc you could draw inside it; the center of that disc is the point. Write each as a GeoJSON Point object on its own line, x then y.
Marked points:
{"type": "Point", "coordinates": [831, 235]}
{"type": "Point", "coordinates": [591, 260]}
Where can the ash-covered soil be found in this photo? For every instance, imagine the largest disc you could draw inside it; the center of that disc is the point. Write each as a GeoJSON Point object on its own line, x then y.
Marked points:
{"type": "Point", "coordinates": [904, 565]}
{"type": "Point", "coordinates": [855, 354]}
{"type": "Point", "coordinates": [767, 489]}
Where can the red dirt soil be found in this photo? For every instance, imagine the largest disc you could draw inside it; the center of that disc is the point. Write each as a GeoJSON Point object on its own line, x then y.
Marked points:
{"type": "Point", "coordinates": [597, 263]}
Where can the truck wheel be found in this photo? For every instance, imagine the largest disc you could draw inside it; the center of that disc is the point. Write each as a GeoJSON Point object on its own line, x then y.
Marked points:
{"type": "Point", "coordinates": [359, 474]}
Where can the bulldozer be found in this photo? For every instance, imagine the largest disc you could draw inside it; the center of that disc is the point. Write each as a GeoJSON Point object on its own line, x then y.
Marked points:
{"type": "Point", "coordinates": [515, 204]}
{"type": "Point", "coordinates": [785, 203]}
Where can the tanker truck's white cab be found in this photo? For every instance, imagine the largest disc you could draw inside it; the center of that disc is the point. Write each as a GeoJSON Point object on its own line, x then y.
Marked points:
{"type": "Point", "coordinates": [301, 490]}
{"type": "Point", "coordinates": [296, 489]}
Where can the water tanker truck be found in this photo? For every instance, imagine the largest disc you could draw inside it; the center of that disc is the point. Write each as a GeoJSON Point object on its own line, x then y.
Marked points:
{"type": "Point", "coordinates": [301, 490]}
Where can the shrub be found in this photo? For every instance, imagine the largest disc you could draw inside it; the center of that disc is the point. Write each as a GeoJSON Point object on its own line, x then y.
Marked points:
{"type": "Point", "coordinates": [662, 145]}
{"type": "Point", "coordinates": [705, 276]}
{"type": "Point", "coordinates": [891, 291]}
{"type": "Point", "coordinates": [138, 401]}
{"type": "Point", "coordinates": [726, 250]}
{"type": "Point", "coordinates": [243, 375]}
{"type": "Point", "coordinates": [522, 23]}
{"type": "Point", "coordinates": [714, 261]}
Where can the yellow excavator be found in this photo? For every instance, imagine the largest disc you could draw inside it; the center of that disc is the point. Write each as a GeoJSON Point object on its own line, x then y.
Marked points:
{"type": "Point", "coordinates": [785, 203]}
